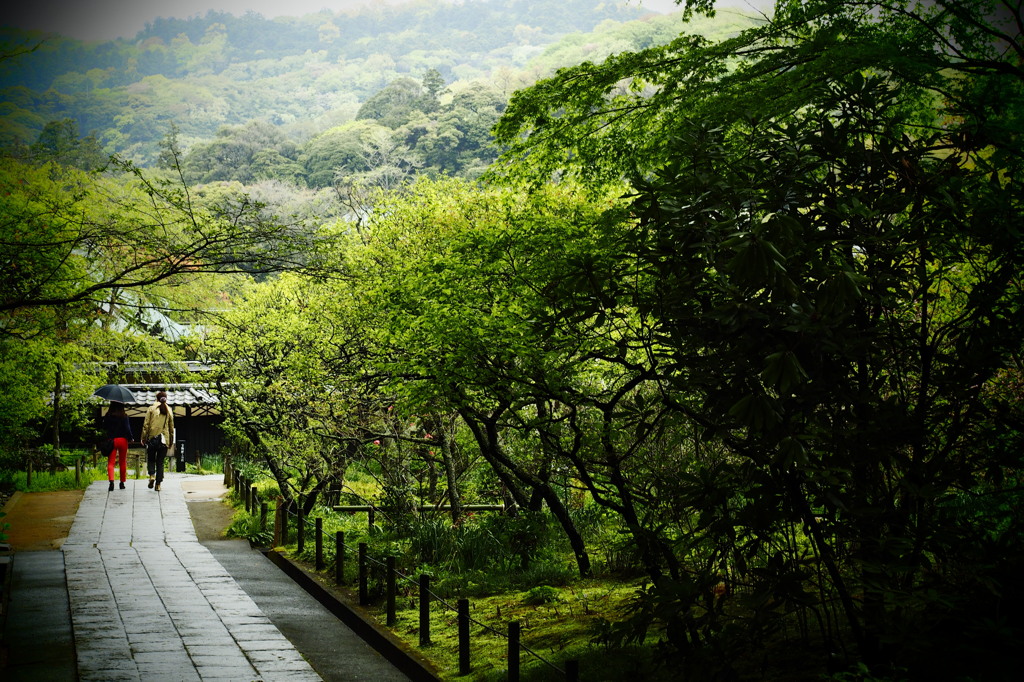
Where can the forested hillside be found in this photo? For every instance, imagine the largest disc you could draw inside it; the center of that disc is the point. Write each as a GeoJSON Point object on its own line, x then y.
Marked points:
{"type": "Point", "coordinates": [303, 75]}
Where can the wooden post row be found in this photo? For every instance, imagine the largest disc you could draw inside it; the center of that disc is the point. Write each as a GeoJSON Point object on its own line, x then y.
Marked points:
{"type": "Point", "coordinates": [319, 544]}
{"type": "Point", "coordinates": [339, 558]}
{"type": "Point", "coordinates": [424, 609]}
{"type": "Point", "coordinates": [278, 522]}
{"type": "Point", "coordinates": [390, 591]}
{"type": "Point", "coordinates": [463, 608]}
{"type": "Point", "coordinates": [514, 631]}
{"type": "Point", "coordinates": [364, 597]}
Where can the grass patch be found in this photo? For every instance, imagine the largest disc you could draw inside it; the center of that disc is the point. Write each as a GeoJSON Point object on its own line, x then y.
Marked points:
{"type": "Point", "coordinates": [553, 632]}
{"type": "Point", "coordinates": [44, 481]}
{"type": "Point", "coordinates": [206, 464]}
{"type": "Point", "coordinates": [249, 527]}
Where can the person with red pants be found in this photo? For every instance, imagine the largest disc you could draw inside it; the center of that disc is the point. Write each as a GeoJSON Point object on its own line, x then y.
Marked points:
{"type": "Point", "coordinates": [119, 434]}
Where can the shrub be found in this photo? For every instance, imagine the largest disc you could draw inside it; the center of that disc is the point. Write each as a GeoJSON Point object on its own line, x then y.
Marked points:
{"type": "Point", "coordinates": [247, 526]}
{"type": "Point", "coordinates": [542, 594]}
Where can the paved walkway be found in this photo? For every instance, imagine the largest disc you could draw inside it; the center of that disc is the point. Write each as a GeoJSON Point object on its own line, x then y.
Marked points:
{"type": "Point", "coordinates": [133, 595]}
{"type": "Point", "coordinates": [149, 602]}
{"type": "Point", "coordinates": [146, 601]}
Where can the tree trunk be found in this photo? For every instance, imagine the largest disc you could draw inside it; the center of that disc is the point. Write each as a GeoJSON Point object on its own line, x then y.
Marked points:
{"type": "Point", "coordinates": [454, 496]}
{"type": "Point", "coordinates": [58, 387]}
{"type": "Point", "coordinates": [486, 434]}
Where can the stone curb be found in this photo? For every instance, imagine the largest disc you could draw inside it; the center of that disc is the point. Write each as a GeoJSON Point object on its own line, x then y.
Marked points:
{"type": "Point", "coordinates": [393, 649]}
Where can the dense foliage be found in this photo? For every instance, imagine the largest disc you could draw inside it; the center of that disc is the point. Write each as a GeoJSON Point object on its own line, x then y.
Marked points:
{"type": "Point", "coordinates": [106, 267]}
{"type": "Point", "coordinates": [829, 204]}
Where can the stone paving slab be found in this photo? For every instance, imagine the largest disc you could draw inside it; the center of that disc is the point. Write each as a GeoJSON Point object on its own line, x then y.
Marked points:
{"type": "Point", "coordinates": [148, 601]}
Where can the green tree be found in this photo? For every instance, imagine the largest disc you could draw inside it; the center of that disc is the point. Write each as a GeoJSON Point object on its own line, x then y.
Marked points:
{"type": "Point", "coordinates": [337, 150]}
{"type": "Point", "coordinates": [459, 140]}
{"type": "Point", "coordinates": [433, 86]}
{"type": "Point", "coordinates": [466, 287]}
{"type": "Point", "coordinates": [255, 151]}
{"type": "Point", "coordinates": [401, 100]}
{"type": "Point", "coordinates": [59, 142]}
{"type": "Point", "coordinates": [72, 240]}
{"type": "Point", "coordinates": [274, 349]}
{"type": "Point", "coordinates": [89, 255]}
{"type": "Point", "coordinates": [389, 163]}
{"type": "Point", "coordinates": [827, 207]}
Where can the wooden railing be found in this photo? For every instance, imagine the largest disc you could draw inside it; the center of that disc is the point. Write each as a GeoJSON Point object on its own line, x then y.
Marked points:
{"type": "Point", "coordinates": [287, 522]}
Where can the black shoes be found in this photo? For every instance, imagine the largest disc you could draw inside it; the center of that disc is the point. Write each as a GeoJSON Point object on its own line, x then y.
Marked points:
{"type": "Point", "coordinates": [122, 485]}
{"type": "Point", "coordinates": [111, 486]}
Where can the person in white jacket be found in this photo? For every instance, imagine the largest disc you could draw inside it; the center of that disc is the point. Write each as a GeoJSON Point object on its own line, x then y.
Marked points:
{"type": "Point", "coordinates": [158, 435]}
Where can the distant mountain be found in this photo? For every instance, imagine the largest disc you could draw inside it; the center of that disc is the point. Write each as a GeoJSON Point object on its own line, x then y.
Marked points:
{"type": "Point", "coordinates": [302, 74]}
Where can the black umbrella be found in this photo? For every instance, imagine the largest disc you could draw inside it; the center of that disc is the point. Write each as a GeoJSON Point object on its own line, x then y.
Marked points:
{"type": "Point", "coordinates": [116, 393]}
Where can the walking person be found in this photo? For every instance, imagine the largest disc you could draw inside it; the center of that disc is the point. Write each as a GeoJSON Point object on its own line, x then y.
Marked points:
{"type": "Point", "coordinates": [158, 435]}
{"type": "Point", "coordinates": [119, 434]}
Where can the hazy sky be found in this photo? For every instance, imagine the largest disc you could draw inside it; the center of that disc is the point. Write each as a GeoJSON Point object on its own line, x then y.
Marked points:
{"type": "Point", "coordinates": [108, 19]}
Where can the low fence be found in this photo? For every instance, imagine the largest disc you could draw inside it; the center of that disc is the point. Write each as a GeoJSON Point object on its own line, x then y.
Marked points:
{"type": "Point", "coordinates": [36, 460]}
{"type": "Point", "coordinates": [287, 523]}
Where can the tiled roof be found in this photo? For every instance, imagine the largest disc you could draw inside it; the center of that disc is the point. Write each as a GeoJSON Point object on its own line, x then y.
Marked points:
{"type": "Point", "coordinates": [177, 394]}
{"type": "Point", "coordinates": [158, 366]}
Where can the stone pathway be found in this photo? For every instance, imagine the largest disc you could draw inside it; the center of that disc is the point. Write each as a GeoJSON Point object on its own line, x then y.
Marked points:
{"type": "Point", "coordinates": [149, 602]}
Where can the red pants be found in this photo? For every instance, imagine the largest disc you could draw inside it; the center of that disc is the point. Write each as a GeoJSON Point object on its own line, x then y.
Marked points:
{"type": "Point", "coordinates": [121, 449]}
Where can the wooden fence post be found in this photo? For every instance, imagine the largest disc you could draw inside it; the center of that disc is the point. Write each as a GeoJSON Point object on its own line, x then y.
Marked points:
{"type": "Point", "coordinates": [364, 597]}
{"type": "Point", "coordinates": [28, 474]}
{"type": "Point", "coordinates": [463, 609]}
{"type": "Point", "coordinates": [300, 528]}
{"type": "Point", "coordinates": [283, 508]}
{"type": "Point", "coordinates": [390, 590]}
{"type": "Point", "coordinates": [278, 522]}
{"type": "Point", "coordinates": [255, 495]}
{"type": "Point", "coordinates": [319, 540]}
{"type": "Point", "coordinates": [339, 557]}
{"type": "Point", "coordinates": [78, 471]}
{"type": "Point", "coordinates": [369, 519]}
{"type": "Point", "coordinates": [263, 516]}
{"type": "Point", "coordinates": [424, 609]}
{"type": "Point", "coordinates": [514, 632]}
